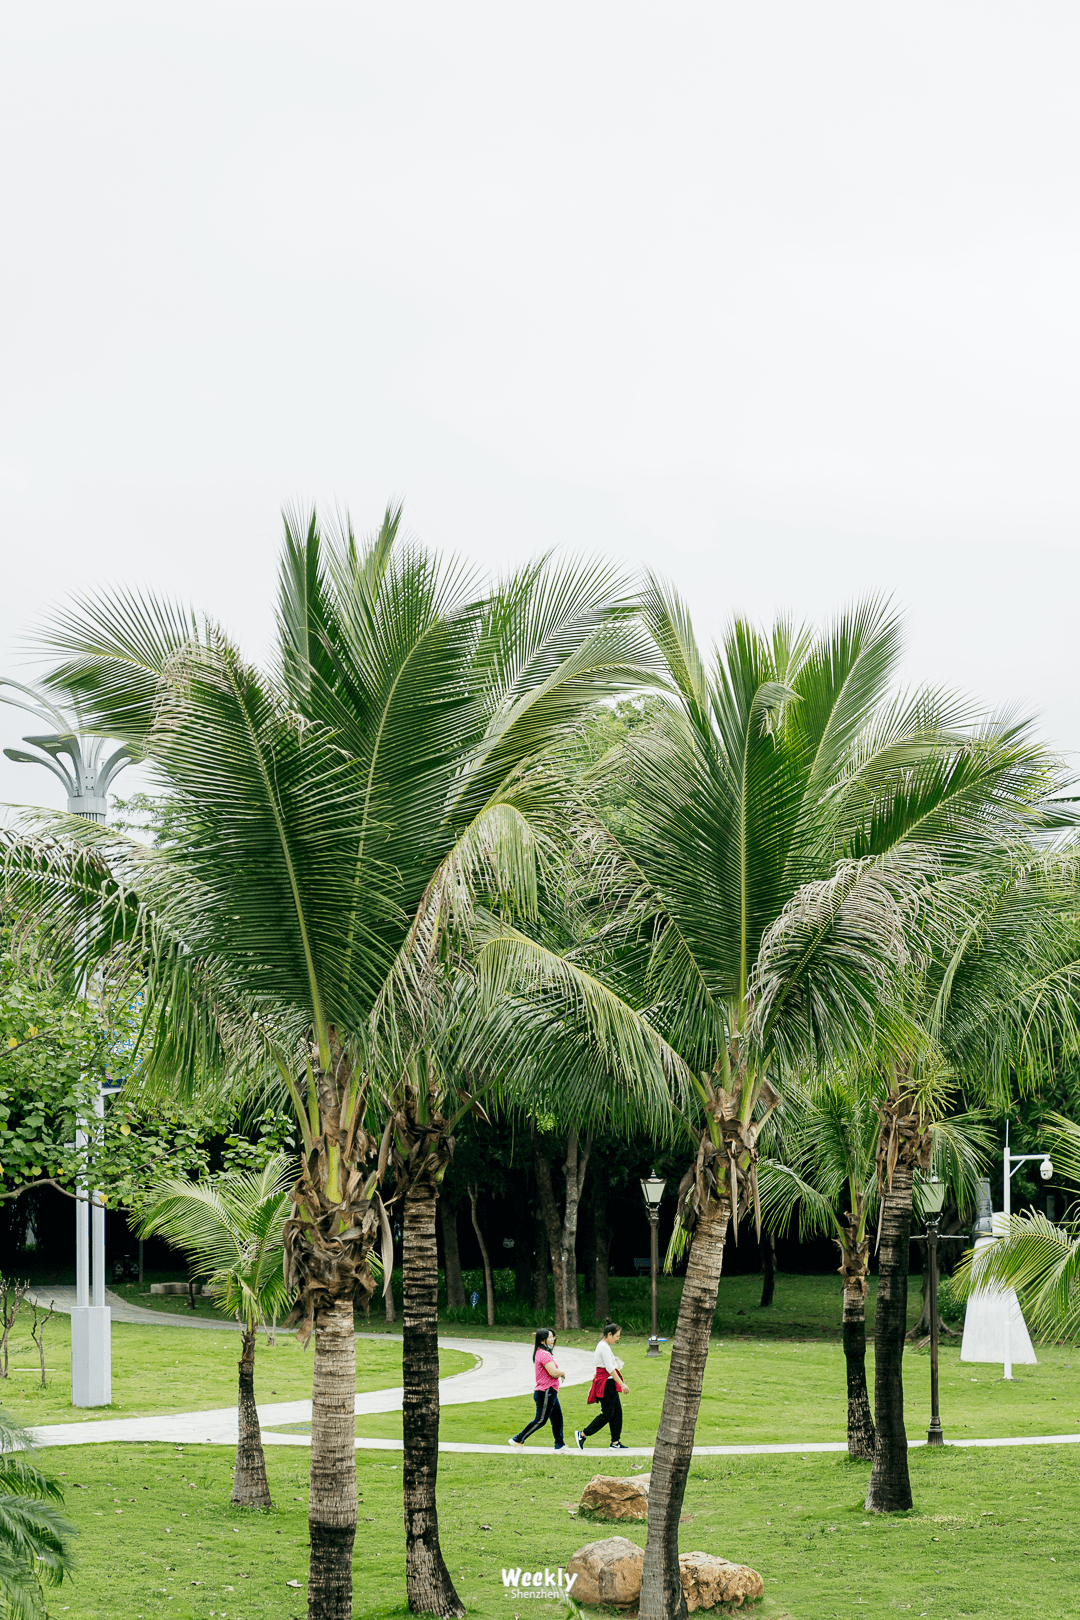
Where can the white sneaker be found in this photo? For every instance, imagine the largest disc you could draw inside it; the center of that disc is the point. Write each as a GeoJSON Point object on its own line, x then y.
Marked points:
{"type": "Point", "coordinates": [516, 1445]}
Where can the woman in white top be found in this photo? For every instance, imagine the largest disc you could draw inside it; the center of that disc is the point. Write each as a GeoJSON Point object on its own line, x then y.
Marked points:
{"type": "Point", "coordinates": [606, 1388]}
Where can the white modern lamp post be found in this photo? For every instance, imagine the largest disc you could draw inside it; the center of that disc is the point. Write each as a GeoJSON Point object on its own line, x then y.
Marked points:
{"type": "Point", "coordinates": [652, 1188]}
{"type": "Point", "coordinates": [1012, 1163]}
{"type": "Point", "coordinates": [81, 764]}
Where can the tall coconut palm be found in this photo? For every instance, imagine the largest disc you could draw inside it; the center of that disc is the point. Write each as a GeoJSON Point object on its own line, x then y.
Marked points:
{"type": "Point", "coordinates": [230, 1228]}
{"type": "Point", "coordinates": [785, 758]}
{"type": "Point", "coordinates": [35, 1540]}
{"type": "Point", "coordinates": [334, 814]}
{"type": "Point", "coordinates": [826, 1158]}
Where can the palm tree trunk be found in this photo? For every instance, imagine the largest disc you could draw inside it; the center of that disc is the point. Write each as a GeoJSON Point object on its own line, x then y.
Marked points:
{"type": "Point", "coordinates": [249, 1481]}
{"type": "Point", "coordinates": [661, 1589]}
{"type": "Point", "coordinates": [455, 1286]}
{"type": "Point", "coordinates": [890, 1485]}
{"type": "Point", "coordinates": [489, 1281]}
{"type": "Point", "coordinates": [427, 1580]}
{"type": "Point", "coordinates": [332, 1501]}
{"type": "Point", "coordinates": [860, 1420]}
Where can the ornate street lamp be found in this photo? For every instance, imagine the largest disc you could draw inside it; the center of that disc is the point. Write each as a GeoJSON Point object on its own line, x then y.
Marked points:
{"type": "Point", "coordinates": [85, 768]}
{"type": "Point", "coordinates": [652, 1188]}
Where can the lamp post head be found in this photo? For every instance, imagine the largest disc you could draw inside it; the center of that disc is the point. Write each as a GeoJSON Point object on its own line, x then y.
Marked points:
{"type": "Point", "coordinates": [75, 759]}
{"type": "Point", "coordinates": [652, 1188]}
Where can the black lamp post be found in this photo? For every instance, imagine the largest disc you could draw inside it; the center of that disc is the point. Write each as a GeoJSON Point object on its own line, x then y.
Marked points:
{"type": "Point", "coordinates": [652, 1188]}
{"type": "Point", "coordinates": [933, 1201]}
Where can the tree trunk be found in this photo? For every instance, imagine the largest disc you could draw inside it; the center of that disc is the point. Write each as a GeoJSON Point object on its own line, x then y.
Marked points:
{"type": "Point", "coordinates": [427, 1580]}
{"type": "Point", "coordinates": [602, 1242]}
{"type": "Point", "coordinates": [489, 1281]}
{"type": "Point", "coordinates": [523, 1232]}
{"type": "Point", "coordinates": [854, 1265]}
{"type": "Point", "coordinates": [890, 1485]}
{"type": "Point", "coordinates": [860, 1421]}
{"type": "Point", "coordinates": [922, 1326]}
{"type": "Point", "coordinates": [332, 1499]}
{"type": "Point", "coordinates": [661, 1589]}
{"type": "Point", "coordinates": [768, 1269]}
{"type": "Point", "coordinates": [562, 1231]}
{"type": "Point", "coordinates": [455, 1287]}
{"type": "Point", "coordinates": [388, 1302]}
{"type": "Point", "coordinates": [577, 1162]}
{"type": "Point", "coordinates": [541, 1266]}
{"type": "Point", "coordinates": [249, 1481]}
{"type": "Point", "coordinates": [553, 1233]}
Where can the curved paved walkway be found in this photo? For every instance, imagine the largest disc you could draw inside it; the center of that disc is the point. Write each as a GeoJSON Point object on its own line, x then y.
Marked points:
{"type": "Point", "coordinates": [503, 1369]}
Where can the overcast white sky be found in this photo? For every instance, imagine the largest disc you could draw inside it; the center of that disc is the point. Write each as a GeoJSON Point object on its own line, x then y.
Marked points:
{"type": "Point", "coordinates": [781, 298]}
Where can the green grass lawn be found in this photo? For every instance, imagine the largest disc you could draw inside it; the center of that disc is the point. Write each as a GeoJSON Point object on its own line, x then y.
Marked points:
{"type": "Point", "coordinates": [166, 1369]}
{"type": "Point", "coordinates": [994, 1535]}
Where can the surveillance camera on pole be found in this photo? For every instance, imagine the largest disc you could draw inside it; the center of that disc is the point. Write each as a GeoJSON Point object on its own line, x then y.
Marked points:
{"type": "Point", "coordinates": [86, 769]}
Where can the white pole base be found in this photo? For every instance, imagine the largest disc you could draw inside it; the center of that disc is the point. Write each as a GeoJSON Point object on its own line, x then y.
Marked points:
{"type": "Point", "coordinates": [91, 1355]}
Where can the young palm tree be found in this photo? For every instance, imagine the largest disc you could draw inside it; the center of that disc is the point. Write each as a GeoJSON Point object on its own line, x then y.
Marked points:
{"type": "Point", "coordinates": [765, 771]}
{"type": "Point", "coordinates": [333, 817]}
{"type": "Point", "coordinates": [825, 1158]}
{"type": "Point", "coordinates": [35, 1540]}
{"type": "Point", "coordinates": [230, 1228]}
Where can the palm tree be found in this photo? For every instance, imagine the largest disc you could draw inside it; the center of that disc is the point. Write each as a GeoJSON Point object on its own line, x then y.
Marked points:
{"type": "Point", "coordinates": [334, 816]}
{"type": "Point", "coordinates": [35, 1540]}
{"type": "Point", "coordinates": [751, 943]}
{"type": "Point", "coordinates": [230, 1227]}
{"type": "Point", "coordinates": [993, 1004]}
{"type": "Point", "coordinates": [826, 1157]}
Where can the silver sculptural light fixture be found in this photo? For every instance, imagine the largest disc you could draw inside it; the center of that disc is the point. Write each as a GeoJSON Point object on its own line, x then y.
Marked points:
{"type": "Point", "coordinates": [81, 762]}
{"type": "Point", "coordinates": [87, 766]}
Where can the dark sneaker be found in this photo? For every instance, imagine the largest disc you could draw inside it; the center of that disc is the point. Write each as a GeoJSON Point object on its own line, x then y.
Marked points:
{"type": "Point", "coordinates": [617, 1445]}
{"type": "Point", "coordinates": [580, 1438]}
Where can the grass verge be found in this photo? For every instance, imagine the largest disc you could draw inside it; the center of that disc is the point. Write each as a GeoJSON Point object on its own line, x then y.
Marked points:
{"type": "Point", "coordinates": [163, 1369]}
{"type": "Point", "coordinates": [994, 1535]}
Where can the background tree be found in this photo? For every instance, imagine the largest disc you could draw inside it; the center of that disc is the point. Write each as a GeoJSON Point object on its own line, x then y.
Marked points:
{"type": "Point", "coordinates": [822, 1169]}
{"type": "Point", "coordinates": [991, 1006]}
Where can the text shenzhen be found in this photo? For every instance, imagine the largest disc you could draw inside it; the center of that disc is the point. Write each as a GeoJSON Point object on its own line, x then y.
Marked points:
{"type": "Point", "coordinates": [544, 1583]}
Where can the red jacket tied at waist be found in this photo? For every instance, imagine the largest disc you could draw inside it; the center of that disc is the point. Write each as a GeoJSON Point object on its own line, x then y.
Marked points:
{"type": "Point", "coordinates": [597, 1387]}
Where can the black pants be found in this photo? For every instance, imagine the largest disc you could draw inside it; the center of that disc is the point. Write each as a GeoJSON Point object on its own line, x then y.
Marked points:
{"type": "Point", "coordinates": [610, 1412]}
{"type": "Point", "coordinates": [548, 1410]}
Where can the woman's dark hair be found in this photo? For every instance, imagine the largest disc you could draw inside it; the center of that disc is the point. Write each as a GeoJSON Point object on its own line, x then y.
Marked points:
{"type": "Point", "coordinates": [610, 1328]}
{"type": "Point", "coordinates": [541, 1338]}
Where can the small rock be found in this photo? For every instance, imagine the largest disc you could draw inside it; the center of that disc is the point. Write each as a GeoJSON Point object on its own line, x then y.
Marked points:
{"type": "Point", "coordinates": [606, 1497]}
{"type": "Point", "coordinates": [707, 1581]}
{"type": "Point", "coordinates": [607, 1571]}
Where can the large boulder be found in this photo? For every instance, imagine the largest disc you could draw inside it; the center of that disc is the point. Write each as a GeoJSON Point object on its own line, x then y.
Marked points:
{"type": "Point", "coordinates": [707, 1581]}
{"type": "Point", "coordinates": [607, 1571]}
{"type": "Point", "coordinates": [605, 1497]}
